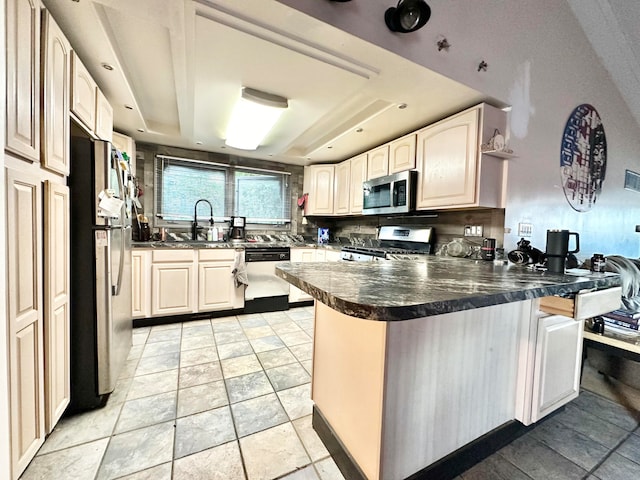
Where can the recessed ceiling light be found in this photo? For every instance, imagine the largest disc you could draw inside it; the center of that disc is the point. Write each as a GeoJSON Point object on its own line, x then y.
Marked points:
{"type": "Point", "coordinates": [107, 66]}
{"type": "Point", "coordinates": [128, 107]}
{"type": "Point", "coordinates": [402, 106]}
{"type": "Point", "coordinates": [141, 130]}
{"type": "Point", "coordinates": [507, 109]}
{"type": "Point", "coordinates": [329, 146]}
{"type": "Point", "coordinates": [359, 130]}
{"type": "Point", "coordinates": [198, 142]}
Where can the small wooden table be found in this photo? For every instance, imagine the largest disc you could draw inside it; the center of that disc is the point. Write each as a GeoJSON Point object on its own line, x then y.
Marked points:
{"type": "Point", "coordinates": [613, 343]}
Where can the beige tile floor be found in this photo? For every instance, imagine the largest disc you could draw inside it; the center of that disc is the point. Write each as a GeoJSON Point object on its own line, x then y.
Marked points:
{"type": "Point", "coordinates": [227, 399]}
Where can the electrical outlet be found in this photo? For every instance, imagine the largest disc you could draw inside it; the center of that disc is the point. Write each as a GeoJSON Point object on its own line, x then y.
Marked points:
{"type": "Point", "coordinates": [525, 229]}
{"type": "Point", "coordinates": [473, 230]}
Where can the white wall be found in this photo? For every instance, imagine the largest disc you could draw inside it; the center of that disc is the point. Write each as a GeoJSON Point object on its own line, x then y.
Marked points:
{"type": "Point", "coordinates": [540, 62]}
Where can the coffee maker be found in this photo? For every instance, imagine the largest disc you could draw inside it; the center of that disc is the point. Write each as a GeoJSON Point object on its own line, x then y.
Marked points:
{"type": "Point", "coordinates": [236, 230]}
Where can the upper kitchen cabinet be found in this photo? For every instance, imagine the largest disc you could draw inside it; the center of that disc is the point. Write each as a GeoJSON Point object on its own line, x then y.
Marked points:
{"type": "Point", "coordinates": [378, 162]}
{"type": "Point", "coordinates": [341, 187]}
{"type": "Point", "coordinates": [453, 173]}
{"type": "Point", "coordinates": [23, 78]}
{"type": "Point", "coordinates": [56, 71]}
{"type": "Point", "coordinates": [126, 145]}
{"type": "Point", "coordinates": [318, 184]}
{"type": "Point", "coordinates": [402, 154]}
{"type": "Point", "coordinates": [83, 93]}
{"type": "Point", "coordinates": [358, 175]}
{"type": "Point", "coordinates": [104, 117]}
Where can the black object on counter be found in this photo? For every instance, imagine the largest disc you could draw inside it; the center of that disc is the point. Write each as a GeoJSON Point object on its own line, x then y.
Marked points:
{"type": "Point", "coordinates": [598, 263]}
{"type": "Point", "coordinates": [488, 249]}
{"type": "Point", "coordinates": [558, 249]}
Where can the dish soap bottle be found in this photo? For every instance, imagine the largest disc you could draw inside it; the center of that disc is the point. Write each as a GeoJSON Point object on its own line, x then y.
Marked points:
{"type": "Point", "coordinates": [212, 233]}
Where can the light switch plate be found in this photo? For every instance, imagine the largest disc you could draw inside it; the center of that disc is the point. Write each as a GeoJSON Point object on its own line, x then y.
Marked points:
{"type": "Point", "coordinates": [525, 229]}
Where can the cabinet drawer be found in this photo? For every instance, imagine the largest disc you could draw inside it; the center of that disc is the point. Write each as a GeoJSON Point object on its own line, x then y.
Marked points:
{"type": "Point", "coordinates": [210, 254]}
{"type": "Point", "coordinates": [172, 256]}
{"type": "Point", "coordinates": [584, 305]}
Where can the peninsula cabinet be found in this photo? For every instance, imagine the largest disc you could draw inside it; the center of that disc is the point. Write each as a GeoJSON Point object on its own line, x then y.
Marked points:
{"type": "Point", "coordinates": [402, 154]}
{"type": "Point", "coordinates": [172, 282]}
{"type": "Point", "coordinates": [301, 254]}
{"type": "Point", "coordinates": [24, 317]}
{"type": "Point", "coordinates": [216, 284]}
{"type": "Point", "coordinates": [83, 93]}
{"type": "Point", "coordinates": [56, 71]}
{"type": "Point", "coordinates": [341, 187]}
{"type": "Point", "coordinates": [318, 184]}
{"type": "Point", "coordinates": [452, 172]}
{"type": "Point", "coordinates": [23, 78]}
{"type": "Point", "coordinates": [378, 162]}
{"type": "Point", "coordinates": [358, 175]}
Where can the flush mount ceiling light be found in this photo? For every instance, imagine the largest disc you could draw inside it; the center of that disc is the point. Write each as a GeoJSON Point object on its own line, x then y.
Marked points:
{"type": "Point", "coordinates": [253, 116]}
{"type": "Point", "coordinates": [408, 16]}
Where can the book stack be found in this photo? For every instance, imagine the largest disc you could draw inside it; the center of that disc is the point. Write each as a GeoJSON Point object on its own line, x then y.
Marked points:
{"type": "Point", "coordinates": [623, 318]}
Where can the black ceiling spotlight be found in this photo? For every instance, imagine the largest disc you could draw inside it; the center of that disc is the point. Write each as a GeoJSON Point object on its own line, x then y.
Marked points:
{"type": "Point", "coordinates": [408, 16]}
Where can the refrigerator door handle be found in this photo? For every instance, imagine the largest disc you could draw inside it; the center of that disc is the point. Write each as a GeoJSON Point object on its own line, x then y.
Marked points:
{"type": "Point", "coordinates": [118, 286]}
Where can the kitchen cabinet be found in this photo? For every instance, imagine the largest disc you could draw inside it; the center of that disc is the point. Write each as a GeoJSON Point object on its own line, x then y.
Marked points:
{"type": "Point", "coordinates": [301, 254]}
{"type": "Point", "coordinates": [56, 71]}
{"type": "Point", "coordinates": [83, 93]}
{"type": "Point", "coordinates": [551, 355]}
{"type": "Point", "coordinates": [126, 145]}
{"type": "Point", "coordinates": [358, 175]}
{"type": "Point", "coordinates": [216, 284]}
{"type": "Point", "coordinates": [342, 184]}
{"type": "Point", "coordinates": [172, 282]}
{"type": "Point", "coordinates": [24, 317]}
{"type": "Point", "coordinates": [378, 162]}
{"type": "Point", "coordinates": [402, 154]}
{"type": "Point", "coordinates": [140, 283]}
{"type": "Point", "coordinates": [23, 78]}
{"type": "Point", "coordinates": [318, 184]}
{"type": "Point", "coordinates": [104, 117]}
{"type": "Point", "coordinates": [452, 172]}
{"type": "Point", "coordinates": [57, 335]}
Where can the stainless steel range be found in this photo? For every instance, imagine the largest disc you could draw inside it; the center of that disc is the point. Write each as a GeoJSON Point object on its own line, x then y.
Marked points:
{"type": "Point", "coordinates": [395, 243]}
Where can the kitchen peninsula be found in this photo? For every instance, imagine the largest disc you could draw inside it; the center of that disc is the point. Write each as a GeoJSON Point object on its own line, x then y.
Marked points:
{"type": "Point", "coordinates": [415, 360]}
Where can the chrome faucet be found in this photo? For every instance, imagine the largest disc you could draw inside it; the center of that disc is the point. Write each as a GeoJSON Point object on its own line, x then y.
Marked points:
{"type": "Point", "coordinates": [194, 225]}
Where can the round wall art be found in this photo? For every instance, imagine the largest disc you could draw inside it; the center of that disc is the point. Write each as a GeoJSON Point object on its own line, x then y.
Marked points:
{"type": "Point", "coordinates": [583, 158]}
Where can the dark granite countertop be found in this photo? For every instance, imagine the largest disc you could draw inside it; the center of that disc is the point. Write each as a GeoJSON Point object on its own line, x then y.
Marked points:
{"type": "Point", "coordinates": [401, 290]}
{"type": "Point", "coordinates": [202, 244]}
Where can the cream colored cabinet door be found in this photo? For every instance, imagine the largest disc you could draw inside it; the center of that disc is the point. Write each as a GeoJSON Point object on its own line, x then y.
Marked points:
{"type": "Point", "coordinates": [358, 175]}
{"type": "Point", "coordinates": [24, 316]}
{"type": "Point", "coordinates": [83, 93]}
{"type": "Point", "coordinates": [140, 283]}
{"type": "Point", "coordinates": [402, 154]}
{"type": "Point", "coordinates": [23, 78]}
{"type": "Point", "coordinates": [447, 160]}
{"type": "Point", "coordinates": [104, 117]}
{"type": "Point", "coordinates": [301, 255]}
{"type": "Point", "coordinates": [126, 145]}
{"type": "Point", "coordinates": [216, 285]}
{"type": "Point", "coordinates": [56, 302]}
{"type": "Point", "coordinates": [173, 282]}
{"type": "Point", "coordinates": [558, 361]}
{"type": "Point", "coordinates": [341, 187]}
{"type": "Point", "coordinates": [378, 162]}
{"type": "Point", "coordinates": [332, 256]}
{"type": "Point", "coordinates": [319, 185]}
{"type": "Point", "coordinates": [56, 67]}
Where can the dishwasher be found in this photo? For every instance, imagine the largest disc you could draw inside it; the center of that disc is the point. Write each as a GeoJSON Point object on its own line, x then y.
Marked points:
{"type": "Point", "coordinates": [266, 292]}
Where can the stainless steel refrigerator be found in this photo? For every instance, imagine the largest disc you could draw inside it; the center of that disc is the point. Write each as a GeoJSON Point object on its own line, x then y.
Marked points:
{"type": "Point", "coordinates": [101, 323]}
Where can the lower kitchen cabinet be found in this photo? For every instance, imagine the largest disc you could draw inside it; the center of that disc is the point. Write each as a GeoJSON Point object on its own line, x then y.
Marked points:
{"type": "Point", "coordinates": [172, 282]}
{"type": "Point", "coordinates": [25, 317]}
{"type": "Point", "coordinates": [181, 281]}
{"type": "Point", "coordinates": [140, 283]}
{"type": "Point", "coordinates": [301, 255]}
{"type": "Point", "coordinates": [216, 284]}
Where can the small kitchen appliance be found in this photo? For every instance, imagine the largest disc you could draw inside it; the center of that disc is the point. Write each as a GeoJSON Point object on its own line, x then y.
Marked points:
{"type": "Point", "coordinates": [236, 231]}
{"type": "Point", "coordinates": [395, 243]}
{"type": "Point", "coordinates": [558, 249]}
{"type": "Point", "coordinates": [488, 249]}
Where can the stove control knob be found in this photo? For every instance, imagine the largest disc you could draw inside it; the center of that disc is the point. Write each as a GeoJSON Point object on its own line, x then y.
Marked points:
{"type": "Point", "coordinates": [283, 256]}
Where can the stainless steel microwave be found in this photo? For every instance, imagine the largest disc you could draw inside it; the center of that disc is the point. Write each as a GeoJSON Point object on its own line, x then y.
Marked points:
{"type": "Point", "coordinates": [390, 194]}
